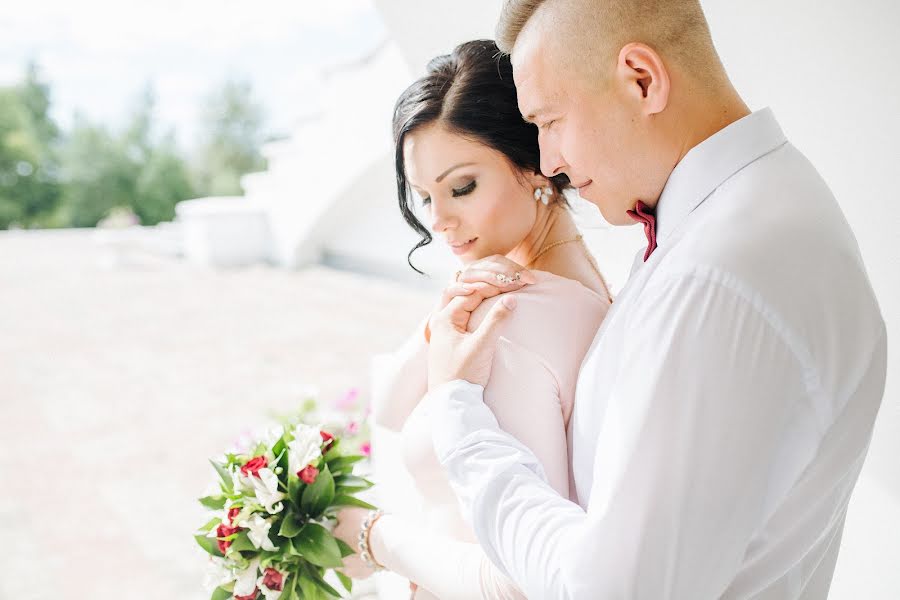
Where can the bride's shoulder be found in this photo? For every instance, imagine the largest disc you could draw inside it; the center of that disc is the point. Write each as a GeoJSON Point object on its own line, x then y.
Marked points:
{"type": "Point", "coordinates": [553, 307]}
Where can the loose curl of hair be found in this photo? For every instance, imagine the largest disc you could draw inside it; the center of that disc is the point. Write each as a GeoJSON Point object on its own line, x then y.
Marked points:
{"type": "Point", "coordinates": [471, 93]}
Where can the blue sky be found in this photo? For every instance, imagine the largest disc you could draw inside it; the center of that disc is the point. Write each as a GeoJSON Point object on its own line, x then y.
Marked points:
{"type": "Point", "coordinates": [99, 54]}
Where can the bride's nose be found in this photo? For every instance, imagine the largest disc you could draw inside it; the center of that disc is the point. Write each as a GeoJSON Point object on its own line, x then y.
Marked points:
{"type": "Point", "coordinates": [441, 219]}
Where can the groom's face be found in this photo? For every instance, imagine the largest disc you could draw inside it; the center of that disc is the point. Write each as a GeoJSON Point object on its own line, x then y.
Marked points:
{"type": "Point", "coordinates": [593, 131]}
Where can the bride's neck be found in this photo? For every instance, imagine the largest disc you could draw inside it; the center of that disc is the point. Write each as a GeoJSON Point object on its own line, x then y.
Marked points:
{"type": "Point", "coordinates": [554, 224]}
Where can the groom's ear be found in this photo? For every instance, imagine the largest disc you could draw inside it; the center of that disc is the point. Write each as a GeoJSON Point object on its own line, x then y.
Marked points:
{"type": "Point", "coordinates": [644, 76]}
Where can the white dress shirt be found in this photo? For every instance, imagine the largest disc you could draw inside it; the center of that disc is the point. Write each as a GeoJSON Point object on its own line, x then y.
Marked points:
{"type": "Point", "coordinates": [723, 412]}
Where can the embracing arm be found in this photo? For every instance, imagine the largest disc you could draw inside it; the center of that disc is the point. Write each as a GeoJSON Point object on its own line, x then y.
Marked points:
{"type": "Point", "coordinates": [448, 568]}
{"type": "Point", "coordinates": [400, 380]}
{"type": "Point", "coordinates": [711, 404]}
{"type": "Point", "coordinates": [523, 393]}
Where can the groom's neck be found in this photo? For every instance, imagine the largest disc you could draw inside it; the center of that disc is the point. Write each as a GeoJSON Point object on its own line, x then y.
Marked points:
{"type": "Point", "coordinates": [700, 113]}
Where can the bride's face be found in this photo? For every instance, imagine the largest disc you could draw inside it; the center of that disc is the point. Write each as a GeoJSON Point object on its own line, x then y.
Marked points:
{"type": "Point", "coordinates": [476, 200]}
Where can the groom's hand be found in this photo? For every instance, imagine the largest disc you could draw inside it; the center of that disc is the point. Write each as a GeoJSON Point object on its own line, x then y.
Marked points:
{"type": "Point", "coordinates": [455, 353]}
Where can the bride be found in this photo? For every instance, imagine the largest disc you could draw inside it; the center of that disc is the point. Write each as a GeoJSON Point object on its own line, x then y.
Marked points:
{"type": "Point", "coordinates": [464, 153]}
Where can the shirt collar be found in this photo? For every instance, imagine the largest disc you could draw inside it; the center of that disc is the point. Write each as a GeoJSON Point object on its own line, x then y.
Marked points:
{"type": "Point", "coordinates": [710, 163]}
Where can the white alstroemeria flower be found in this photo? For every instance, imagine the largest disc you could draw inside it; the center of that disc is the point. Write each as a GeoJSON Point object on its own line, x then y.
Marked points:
{"type": "Point", "coordinates": [265, 487]}
{"type": "Point", "coordinates": [268, 435]}
{"type": "Point", "coordinates": [219, 573]}
{"type": "Point", "coordinates": [239, 482]}
{"type": "Point", "coordinates": [245, 581]}
{"type": "Point", "coordinates": [258, 532]}
{"type": "Point", "coordinates": [304, 448]}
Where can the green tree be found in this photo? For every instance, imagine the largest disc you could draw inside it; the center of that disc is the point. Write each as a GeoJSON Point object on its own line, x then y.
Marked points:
{"type": "Point", "coordinates": [163, 182]}
{"type": "Point", "coordinates": [29, 190]}
{"type": "Point", "coordinates": [133, 169]}
{"type": "Point", "coordinates": [230, 139]}
{"type": "Point", "coordinates": [98, 174]}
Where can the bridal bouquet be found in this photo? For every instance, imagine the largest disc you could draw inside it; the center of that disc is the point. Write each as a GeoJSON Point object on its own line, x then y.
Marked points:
{"type": "Point", "coordinates": [269, 535]}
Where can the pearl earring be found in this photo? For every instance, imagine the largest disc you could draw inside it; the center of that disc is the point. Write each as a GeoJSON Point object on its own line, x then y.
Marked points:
{"type": "Point", "coordinates": [543, 194]}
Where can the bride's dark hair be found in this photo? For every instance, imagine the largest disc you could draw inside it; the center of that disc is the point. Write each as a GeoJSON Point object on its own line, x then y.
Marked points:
{"type": "Point", "coordinates": [470, 92]}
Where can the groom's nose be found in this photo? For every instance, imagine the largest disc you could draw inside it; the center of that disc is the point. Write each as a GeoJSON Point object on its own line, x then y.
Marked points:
{"type": "Point", "coordinates": [552, 162]}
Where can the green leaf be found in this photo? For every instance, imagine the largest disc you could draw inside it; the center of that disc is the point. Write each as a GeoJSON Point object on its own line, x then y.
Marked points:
{"type": "Point", "coordinates": [322, 584]}
{"type": "Point", "coordinates": [290, 526]}
{"type": "Point", "coordinates": [242, 543]}
{"type": "Point", "coordinates": [209, 544]}
{"type": "Point", "coordinates": [345, 548]}
{"type": "Point", "coordinates": [308, 589]}
{"type": "Point", "coordinates": [318, 495]}
{"type": "Point", "coordinates": [352, 483]}
{"type": "Point", "coordinates": [212, 523]}
{"type": "Point", "coordinates": [345, 581]}
{"type": "Point", "coordinates": [295, 489]}
{"type": "Point", "coordinates": [318, 546]}
{"type": "Point", "coordinates": [342, 464]}
{"type": "Point", "coordinates": [345, 500]}
{"type": "Point", "coordinates": [213, 502]}
{"type": "Point", "coordinates": [279, 447]}
{"type": "Point", "coordinates": [224, 475]}
{"type": "Point", "coordinates": [333, 452]}
{"type": "Point", "coordinates": [221, 594]}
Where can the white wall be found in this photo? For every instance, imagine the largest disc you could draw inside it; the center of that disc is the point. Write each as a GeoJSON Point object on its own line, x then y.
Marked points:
{"type": "Point", "coordinates": [828, 68]}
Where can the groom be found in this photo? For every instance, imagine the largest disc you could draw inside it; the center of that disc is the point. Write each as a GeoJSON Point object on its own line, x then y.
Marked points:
{"type": "Point", "coordinates": [725, 408]}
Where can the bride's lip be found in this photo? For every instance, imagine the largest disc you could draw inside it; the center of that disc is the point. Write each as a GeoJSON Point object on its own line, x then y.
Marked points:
{"type": "Point", "coordinates": [584, 185]}
{"type": "Point", "coordinates": [462, 248]}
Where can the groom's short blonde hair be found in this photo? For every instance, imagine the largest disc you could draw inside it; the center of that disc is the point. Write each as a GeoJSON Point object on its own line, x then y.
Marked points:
{"type": "Point", "coordinates": [596, 30]}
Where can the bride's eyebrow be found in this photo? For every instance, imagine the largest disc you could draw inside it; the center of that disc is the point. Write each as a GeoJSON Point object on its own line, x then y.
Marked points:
{"type": "Point", "coordinates": [453, 168]}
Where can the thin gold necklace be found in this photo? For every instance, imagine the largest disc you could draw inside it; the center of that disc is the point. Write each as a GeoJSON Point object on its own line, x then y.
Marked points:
{"type": "Point", "coordinates": [551, 246]}
{"type": "Point", "coordinates": [590, 257]}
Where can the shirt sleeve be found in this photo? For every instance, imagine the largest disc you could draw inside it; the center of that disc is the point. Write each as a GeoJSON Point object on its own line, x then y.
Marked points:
{"type": "Point", "coordinates": [400, 380]}
{"type": "Point", "coordinates": [448, 568]}
{"type": "Point", "coordinates": [707, 428]}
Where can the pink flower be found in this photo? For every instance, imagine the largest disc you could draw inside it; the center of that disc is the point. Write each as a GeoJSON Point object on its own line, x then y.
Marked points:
{"type": "Point", "coordinates": [243, 442]}
{"type": "Point", "coordinates": [222, 531]}
{"type": "Point", "coordinates": [254, 465]}
{"type": "Point", "coordinates": [250, 596]}
{"type": "Point", "coordinates": [352, 428]}
{"type": "Point", "coordinates": [366, 448]}
{"type": "Point", "coordinates": [273, 580]}
{"type": "Point", "coordinates": [308, 474]}
{"type": "Point", "coordinates": [327, 440]}
{"type": "Point", "coordinates": [232, 513]}
{"type": "Point", "coordinates": [348, 400]}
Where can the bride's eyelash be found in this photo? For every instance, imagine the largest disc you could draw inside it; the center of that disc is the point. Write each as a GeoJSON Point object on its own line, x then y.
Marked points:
{"type": "Point", "coordinates": [467, 189]}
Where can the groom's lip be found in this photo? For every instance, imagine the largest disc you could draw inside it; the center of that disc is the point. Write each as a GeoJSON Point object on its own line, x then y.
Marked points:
{"type": "Point", "coordinates": [584, 185]}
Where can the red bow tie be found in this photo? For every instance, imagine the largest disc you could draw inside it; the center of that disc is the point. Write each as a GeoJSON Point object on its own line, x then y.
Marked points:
{"type": "Point", "coordinates": [643, 214]}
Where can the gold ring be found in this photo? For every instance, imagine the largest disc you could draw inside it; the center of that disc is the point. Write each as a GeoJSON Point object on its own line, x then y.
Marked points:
{"type": "Point", "coordinates": [458, 273]}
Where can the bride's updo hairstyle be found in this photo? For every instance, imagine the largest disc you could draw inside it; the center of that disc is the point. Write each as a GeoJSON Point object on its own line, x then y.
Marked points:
{"type": "Point", "coordinates": [470, 92]}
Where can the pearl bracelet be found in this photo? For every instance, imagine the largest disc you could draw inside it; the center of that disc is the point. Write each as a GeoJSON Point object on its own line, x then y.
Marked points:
{"type": "Point", "coordinates": [365, 550]}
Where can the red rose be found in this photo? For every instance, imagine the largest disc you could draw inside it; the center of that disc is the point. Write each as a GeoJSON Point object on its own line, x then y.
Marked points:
{"type": "Point", "coordinates": [273, 580]}
{"type": "Point", "coordinates": [224, 531]}
{"type": "Point", "coordinates": [232, 513]}
{"type": "Point", "coordinates": [250, 596]}
{"type": "Point", "coordinates": [254, 465]}
{"type": "Point", "coordinates": [308, 474]}
{"type": "Point", "coordinates": [327, 439]}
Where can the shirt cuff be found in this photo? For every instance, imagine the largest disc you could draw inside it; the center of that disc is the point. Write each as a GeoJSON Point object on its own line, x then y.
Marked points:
{"type": "Point", "coordinates": [456, 409]}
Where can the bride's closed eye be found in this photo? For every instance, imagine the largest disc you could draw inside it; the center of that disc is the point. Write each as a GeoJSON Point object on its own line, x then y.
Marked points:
{"type": "Point", "coordinates": [456, 192]}
{"type": "Point", "coordinates": [466, 189]}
